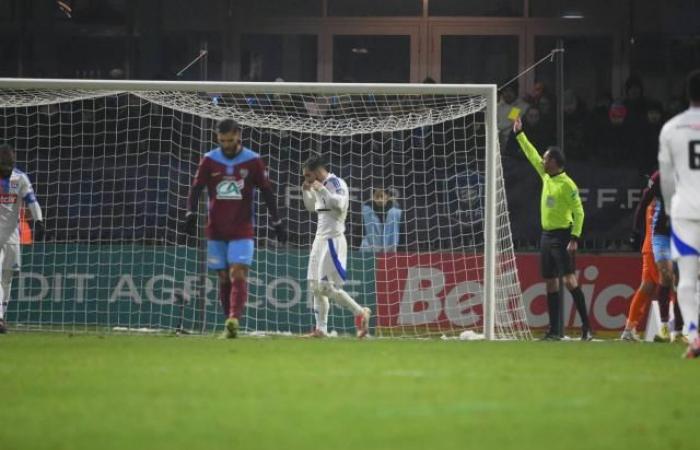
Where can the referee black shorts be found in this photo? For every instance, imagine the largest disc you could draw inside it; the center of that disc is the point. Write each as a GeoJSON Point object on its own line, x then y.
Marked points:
{"type": "Point", "coordinates": [555, 261]}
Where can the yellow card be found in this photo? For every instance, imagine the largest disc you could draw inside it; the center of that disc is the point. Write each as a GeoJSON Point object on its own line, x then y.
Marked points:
{"type": "Point", "coordinates": [514, 113]}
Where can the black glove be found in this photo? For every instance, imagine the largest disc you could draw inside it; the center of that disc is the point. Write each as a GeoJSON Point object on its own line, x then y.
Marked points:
{"type": "Point", "coordinates": [280, 231]}
{"type": "Point", "coordinates": [39, 230]}
{"type": "Point", "coordinates": [634, 240]}
{"type": "Point", "coordinates": [190, 223]}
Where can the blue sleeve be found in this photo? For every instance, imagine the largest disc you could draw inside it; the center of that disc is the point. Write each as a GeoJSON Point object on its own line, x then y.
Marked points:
{"type": "Point", "coordinates": [391, 229]}
{"type": "Point", "coordinates": [29, 198]}
{"type": "Point", "coordinates": [366, 227]}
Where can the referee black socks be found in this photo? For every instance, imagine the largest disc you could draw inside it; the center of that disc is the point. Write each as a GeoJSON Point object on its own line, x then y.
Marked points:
{"type": "Point", "coordinates": [553, 308]}
{"type": "Point", "coordinates": [580, 302]}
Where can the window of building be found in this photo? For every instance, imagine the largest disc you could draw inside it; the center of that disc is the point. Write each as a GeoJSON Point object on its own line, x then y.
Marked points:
{"type": "Point", "coordinates": [267, 57]}
{"type": "Point", "coordinates": [371, 59]}
{"type": "Point", "coordinates": [503, 8]}
{"type": "Point", "coordinates": [279, 8]}
{"type": "Point", "coordinates": [575, 9]}
{"type": "Point", "coordinates": [365, 8]}
{"type": "Point", "coordinates": [479, 59]}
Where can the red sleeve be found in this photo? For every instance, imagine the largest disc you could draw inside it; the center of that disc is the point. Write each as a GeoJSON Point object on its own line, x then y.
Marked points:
{"type": "Point", "coordinates": [198, 184]}
{"type": "Point", "coordinates": [201, 178]}
{"type": "Point", "coordinates": [262, 179]}
{"type": "Point", "coordinates": [648, 194]}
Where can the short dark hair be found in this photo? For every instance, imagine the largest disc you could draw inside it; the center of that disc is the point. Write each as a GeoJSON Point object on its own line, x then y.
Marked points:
{"type": "Point", "coordinates": [694, 86]}
{"type": "Point", "coordinates": [314, 162]}
{"type": "Point", "coordinates": [557, 155]}
{"type": "Point", "coordinates": [227, 126]}
{"type": "Point", "coordinates": [7, 152]}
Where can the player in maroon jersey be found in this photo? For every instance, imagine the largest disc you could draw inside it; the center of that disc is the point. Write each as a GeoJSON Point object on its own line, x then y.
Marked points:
{"type": "Point", "coordinates": [231, 173]}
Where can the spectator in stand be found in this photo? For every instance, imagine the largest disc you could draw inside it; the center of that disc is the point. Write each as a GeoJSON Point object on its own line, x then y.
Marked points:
{"type": "Point", "coordinates": [509, 108]}
{"type": "Point", "coordinates": [538, 90]}
{"type": "Point", "coordinates": [547, 114]}
{"type": "Point", "coordinates": [597, 120]}
{"type": "Point", "coordinates": [574, 127]}
{"type": "Point", "coordinates": [380, 220]}
{"type": "Point", "coordinates": [537, 132]}
{"type": "Point", "coordinates": [648, 145]}
{"type": "Point", "coordinates": [614, 141]}
{"type": "Point", "coordinates": [635, 102]}
{"type": "Point", "coordinates": [676, 106]}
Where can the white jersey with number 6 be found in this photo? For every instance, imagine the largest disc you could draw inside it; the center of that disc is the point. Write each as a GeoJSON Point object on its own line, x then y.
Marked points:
{"type": "Point", "coordinates": [679, 164]}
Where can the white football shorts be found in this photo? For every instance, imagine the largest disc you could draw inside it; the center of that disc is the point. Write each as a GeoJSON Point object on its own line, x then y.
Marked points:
{"type": "Point", "coordinates": [685, 238]}
{"type": "Point", "coordinates": [328, 260]}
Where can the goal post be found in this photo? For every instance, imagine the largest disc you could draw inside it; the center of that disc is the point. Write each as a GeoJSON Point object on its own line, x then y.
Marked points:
{"type": "Point", "coordinates": [112, 162]}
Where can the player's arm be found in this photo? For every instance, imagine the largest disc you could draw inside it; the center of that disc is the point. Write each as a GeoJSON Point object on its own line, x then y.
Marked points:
{"type": "Point", "coordinates": [29, 199]}
{"type": "Point", "coordinates": [526, 146]}
{"type": "Point", "coordinates": [337, 197]}
{"type": "Point", "coordinates": [308, 197]}
{"type": "Point", "coordinates": [198, 185]}
{"type": "Point", "coordinates": [577, 216]}
{"type": "Point", "coordinates": [640, 212]}
{"type": "Point", "coordinates": [668, 182]}
{"type": "Point", "coordinates": [263, 183]}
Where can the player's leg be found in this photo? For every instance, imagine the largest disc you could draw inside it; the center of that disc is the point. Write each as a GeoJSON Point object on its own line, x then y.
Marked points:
{"type": "Point", "coordinates": [333, 264]}
{"type": "Point", "coordinates": [313, 277]}
{"type": "Point", "coordinates": [663, 295]}
{"type": "Point", "coordinates": [685, 247]}
{"type": "Point", "coordinates": [548, 270]}
{"type": "Point", "coordinates": [639, 305]}
{"type": "Point", "coordinates": [321, 308]}
{"type": "Point", "coordinates": [216, 260]}
{"type": "Point", "coordinates": [677, 326]}
{"type": "Point", "coordinates": [10, 264]}
{"type": "Point", "coordinates": [688, 301]}
{"type": "Point", "coordinates": [580, 304]}
{"type": "Point", "coordinates": [661, 246]}
{"type": "Point", "coordinates": [240, 258]}
{"type": "Point", "coordinates": [3, 304]}
{"type": "Point", "coordinates": [238, 273]}
{"type": "Point", "coordinates": [566, 266]}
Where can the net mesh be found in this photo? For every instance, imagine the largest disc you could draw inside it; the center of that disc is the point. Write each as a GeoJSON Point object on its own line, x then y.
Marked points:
{"type": "Point", "coordinates": [112, 171]}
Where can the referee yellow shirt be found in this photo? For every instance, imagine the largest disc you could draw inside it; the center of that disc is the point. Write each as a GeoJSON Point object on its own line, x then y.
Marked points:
{"type": "Point", "coordinates": [560, 205]}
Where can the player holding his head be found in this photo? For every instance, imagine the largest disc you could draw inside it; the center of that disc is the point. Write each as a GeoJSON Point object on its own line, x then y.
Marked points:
{"type": "Point", "coordinates": [679, 164]}
{"type": "Point", "coordinates": [231, 173]}
{"type": "Point", "coordinates": [15, 191]}
{"type": "Point", "coordinates": [328, 196]}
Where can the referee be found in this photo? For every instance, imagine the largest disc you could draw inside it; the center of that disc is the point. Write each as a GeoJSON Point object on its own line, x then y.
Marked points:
{"type": "Point", "coordinates": [561, 215]}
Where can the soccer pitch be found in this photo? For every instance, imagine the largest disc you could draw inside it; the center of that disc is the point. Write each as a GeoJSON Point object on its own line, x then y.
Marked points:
{"type": "Point", "coordinates": [147, 392]}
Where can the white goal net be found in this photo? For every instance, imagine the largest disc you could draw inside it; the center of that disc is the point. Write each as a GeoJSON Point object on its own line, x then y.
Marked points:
{"type": "Point", "coordinates": [112, 163]}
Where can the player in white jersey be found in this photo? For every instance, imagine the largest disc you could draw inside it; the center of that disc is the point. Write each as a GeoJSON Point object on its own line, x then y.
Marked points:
{"type": "Point", "coordinates": [328, 196]}
{"type": "Point", "coordinates": [679, 164]}
{"type": "Point", "coordinates": [15, 191]}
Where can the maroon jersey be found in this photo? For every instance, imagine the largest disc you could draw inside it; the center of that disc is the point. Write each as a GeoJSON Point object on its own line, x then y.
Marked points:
{"type": "Point", "coordinates": [231, 185]}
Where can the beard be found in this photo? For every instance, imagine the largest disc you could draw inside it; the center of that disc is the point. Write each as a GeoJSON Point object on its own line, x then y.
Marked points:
{"type": "Point", "coordinates": [233, 150]}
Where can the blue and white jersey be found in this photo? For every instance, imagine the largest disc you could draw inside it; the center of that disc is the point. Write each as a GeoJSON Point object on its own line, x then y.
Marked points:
{"type": "Point", "coordinates": [15, 191]}
{"type": "Point", "coordinates": [331, 204]}
{"type": "Point", "coordinates": [679, 164]}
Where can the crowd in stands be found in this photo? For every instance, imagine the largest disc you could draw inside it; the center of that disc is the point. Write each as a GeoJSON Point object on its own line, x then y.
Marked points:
{"type": "Point", "coordinates": [611, 132]}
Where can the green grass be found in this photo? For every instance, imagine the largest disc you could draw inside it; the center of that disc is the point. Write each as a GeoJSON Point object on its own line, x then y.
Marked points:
{"type": "Point", "coordinates": [146, 392]}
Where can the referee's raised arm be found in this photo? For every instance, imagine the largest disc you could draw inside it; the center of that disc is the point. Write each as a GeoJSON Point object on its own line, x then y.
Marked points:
{"type": "Point", "coordinates": [530, 151]}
